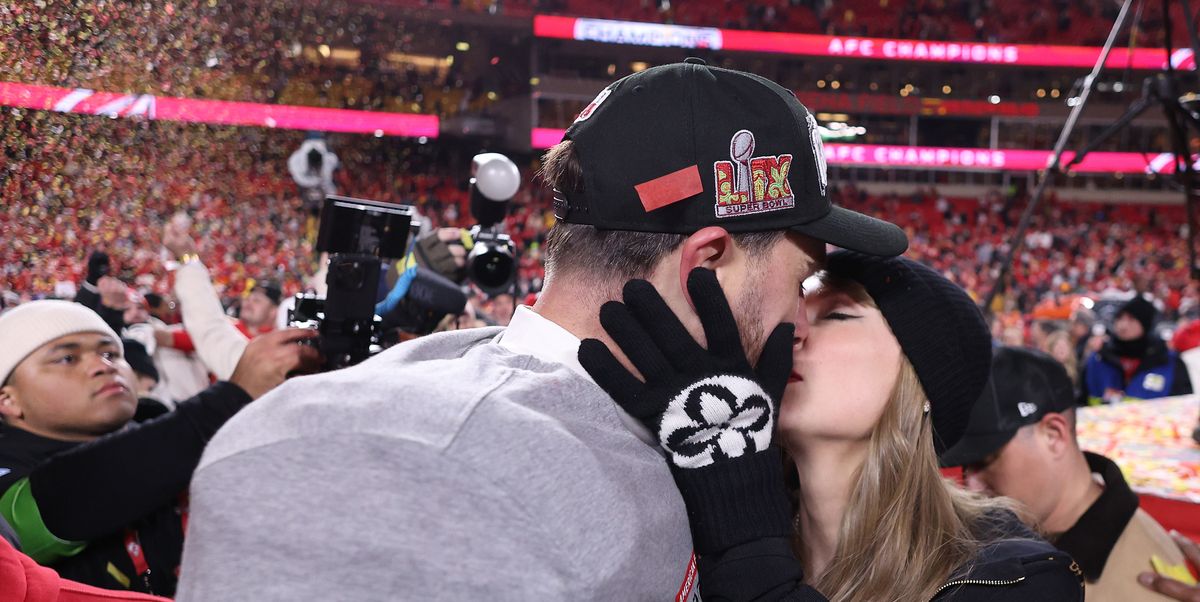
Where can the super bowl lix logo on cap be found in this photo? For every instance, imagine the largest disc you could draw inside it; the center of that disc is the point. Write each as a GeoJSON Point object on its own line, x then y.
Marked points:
{"type": "Point", "coordinates": [747, 185]}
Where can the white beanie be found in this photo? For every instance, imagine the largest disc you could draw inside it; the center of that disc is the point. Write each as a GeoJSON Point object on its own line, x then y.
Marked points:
{"type": "Point", "coordinates": [26, 327]}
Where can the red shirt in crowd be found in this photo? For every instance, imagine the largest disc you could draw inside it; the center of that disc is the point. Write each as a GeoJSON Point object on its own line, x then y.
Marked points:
{"type": "Point", "coordinates": [183, 341]}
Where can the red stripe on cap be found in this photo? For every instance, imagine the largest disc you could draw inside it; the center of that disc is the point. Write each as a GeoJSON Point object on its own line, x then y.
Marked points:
{"type": "Point", "coordinates": [671, 188]}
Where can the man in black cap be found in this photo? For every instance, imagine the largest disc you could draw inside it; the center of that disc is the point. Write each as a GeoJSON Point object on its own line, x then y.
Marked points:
{"type": "Point", "coordinates": [486, 462]}
{"type": "Point", "coordinates": [1135, 364]}
{"type": "Point", "coordinates": [1020, 443]}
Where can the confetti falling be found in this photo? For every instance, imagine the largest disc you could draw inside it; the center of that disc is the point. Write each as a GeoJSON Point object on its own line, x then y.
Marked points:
{"type": "Point", "coordinates": [73, 184]}
{"type": "Point", "coordinates": [1151, 442]}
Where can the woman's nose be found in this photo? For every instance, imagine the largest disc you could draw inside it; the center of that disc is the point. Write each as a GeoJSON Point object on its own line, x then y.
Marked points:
{"type": "Point", "coordinates": [802, 326]}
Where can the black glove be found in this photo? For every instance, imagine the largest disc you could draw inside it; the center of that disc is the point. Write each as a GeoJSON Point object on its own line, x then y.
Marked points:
{"type": "Point", "coordinates": [98, 267]}
{"type": "Point", "coordinates": [713, 413]}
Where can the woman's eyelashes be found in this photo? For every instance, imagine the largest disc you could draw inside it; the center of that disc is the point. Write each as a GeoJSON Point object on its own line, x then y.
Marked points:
{"type": "Point", "coordinates": [837, 315]}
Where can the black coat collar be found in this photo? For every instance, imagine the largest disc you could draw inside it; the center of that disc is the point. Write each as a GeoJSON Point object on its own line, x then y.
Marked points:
{"type": "Point", "coordinates": [1091, 539]}
{"type": "Point", "coordinates": [1156, 355]}
{"type": "Point", "coordinates": [21, 451]}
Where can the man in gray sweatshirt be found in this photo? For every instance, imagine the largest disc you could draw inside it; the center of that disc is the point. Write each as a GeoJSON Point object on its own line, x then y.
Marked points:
{"type": "Point", "coordinates": [486, 464]}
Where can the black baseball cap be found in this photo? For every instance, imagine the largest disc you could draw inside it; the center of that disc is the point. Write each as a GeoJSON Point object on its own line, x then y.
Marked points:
{"type": "Point", "coordinates": [271, 289]}
{"type": "Point", "coordinates": [1025, 385]}
{"type": "Point", "coordinates": [679, 147]}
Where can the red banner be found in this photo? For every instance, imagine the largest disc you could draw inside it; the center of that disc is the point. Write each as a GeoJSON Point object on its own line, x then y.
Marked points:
{"type": "Point", "coordinates": [681, 36]}
{"type": "Point", "coordinates": [217, 112]}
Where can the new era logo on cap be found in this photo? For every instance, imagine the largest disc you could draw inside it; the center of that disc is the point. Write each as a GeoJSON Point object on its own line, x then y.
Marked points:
{"type": "Point", "coordinates": [1018, 375]}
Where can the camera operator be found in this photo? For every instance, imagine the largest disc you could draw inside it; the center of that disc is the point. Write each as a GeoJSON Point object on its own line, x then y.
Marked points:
{"type": "Point", "coordinates": [89, 494]}
{"type": "Point", "coordinates": [500, 308]}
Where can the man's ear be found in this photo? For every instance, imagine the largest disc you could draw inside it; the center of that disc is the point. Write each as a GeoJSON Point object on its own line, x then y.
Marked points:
{"type": "Point", "coordinates": [10, 403]}
{"type": "Point", "coordinates": [1057, 434]}
{"type": "Point", "coordinates": [709, 248]}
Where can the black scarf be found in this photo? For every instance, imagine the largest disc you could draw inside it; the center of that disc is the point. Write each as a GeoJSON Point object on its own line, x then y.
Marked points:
{"type": "Point", "coordinates": [1135, 348]}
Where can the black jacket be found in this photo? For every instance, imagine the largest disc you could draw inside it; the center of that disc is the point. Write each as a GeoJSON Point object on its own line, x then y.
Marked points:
{"type": "Point", "coordinates": [128, 482]}
{"type": "Point", "coordinates": [1016, 567]}
{"type": "Point", "coordinates": [1017, 570]}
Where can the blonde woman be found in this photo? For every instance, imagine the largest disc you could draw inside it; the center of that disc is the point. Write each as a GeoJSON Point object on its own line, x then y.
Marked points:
{"type": "Point", "coordinates": [1059, 346]}
{"type": "Point", "coordinates": [876, 379]}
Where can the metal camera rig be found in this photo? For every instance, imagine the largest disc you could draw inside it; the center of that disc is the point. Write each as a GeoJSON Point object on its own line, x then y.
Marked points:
{"type": "Point", "coordinates": [358, 234]}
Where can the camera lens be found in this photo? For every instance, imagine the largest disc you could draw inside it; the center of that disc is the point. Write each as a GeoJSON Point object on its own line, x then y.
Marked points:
{"type": "Point", "coordinates": [492, 269]}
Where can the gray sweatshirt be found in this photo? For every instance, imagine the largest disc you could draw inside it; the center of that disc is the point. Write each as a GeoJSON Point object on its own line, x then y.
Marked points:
{"type": "Point", "coordinates": [447, 468]}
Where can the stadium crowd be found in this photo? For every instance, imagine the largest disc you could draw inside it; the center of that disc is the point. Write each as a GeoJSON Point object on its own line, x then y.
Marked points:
{"type": "Point", "coordinates": [248, 212]}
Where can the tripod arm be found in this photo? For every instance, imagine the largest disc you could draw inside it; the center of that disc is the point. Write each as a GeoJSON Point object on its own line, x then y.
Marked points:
{"type": "Point", "coordinates": [1133, 112]}
{"type": "Point", "coordinates": [1018, 237]}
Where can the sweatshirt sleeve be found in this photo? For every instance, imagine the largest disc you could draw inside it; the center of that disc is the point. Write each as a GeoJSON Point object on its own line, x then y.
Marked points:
{"type": "Point", "coordinates": [217, 340]}
{"type": "Point", "coordinates": [764, 569]}
{"type": "Point", "coordinates": [101, 487]}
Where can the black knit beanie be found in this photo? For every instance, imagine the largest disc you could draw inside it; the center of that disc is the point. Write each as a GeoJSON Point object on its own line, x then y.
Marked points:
{"type": "Point", "coordinates": [940, 329]}
{"type": "Point", "coordinates": [1142, 310]}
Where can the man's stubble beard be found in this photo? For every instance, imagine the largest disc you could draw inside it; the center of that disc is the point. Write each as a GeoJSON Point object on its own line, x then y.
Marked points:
{"type": "Point", "coordinates": [748, 311]}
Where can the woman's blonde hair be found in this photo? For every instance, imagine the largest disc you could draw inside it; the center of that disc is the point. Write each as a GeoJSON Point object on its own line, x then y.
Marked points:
{"type": "Point", "coordinates": [1071, 363]}
{"type": "Point", "coordinates": [907, 529]}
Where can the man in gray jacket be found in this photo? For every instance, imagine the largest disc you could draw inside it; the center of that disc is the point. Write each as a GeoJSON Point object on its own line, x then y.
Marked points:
{"type": "Point", "coordinates": [486, 464]}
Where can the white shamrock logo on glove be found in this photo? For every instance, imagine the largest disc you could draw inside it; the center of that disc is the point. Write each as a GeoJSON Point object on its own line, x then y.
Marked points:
{"type": "Point", "coordinates": [717, 416]}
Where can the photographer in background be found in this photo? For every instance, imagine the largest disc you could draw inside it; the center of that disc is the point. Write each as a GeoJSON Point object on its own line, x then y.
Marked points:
{"type": "Point", "coordinates": [215, 338]}
{"type": "Point", "coordinates": [89, 494]}
{"type": "Point", "coordinates": [179, 374]}
{"type": "Point", "coordinates": [500, 308]}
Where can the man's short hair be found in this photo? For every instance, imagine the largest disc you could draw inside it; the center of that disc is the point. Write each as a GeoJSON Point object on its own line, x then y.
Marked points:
{"type": "Point", "coordinates": [614, 255]}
